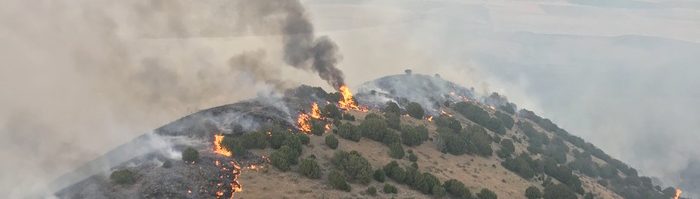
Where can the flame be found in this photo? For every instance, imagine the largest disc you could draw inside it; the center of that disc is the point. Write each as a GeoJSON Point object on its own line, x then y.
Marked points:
{"type": "Point", "coordinates": [218, 148]}
{"type": "Point", "coordinates": [328, 127]}
{"type": "Point", "coordinates": [678, 193]}
{"type": "Point", "coordinates": [445, 113]}
{"type": "Point", "coordinates": [430, 118]}
{"type": "Point", "coordinates": [315, 111]}
{"type": "Point", "coordinates": [304, 122]}
{"type": "Point", "coordinates": [347, 102]}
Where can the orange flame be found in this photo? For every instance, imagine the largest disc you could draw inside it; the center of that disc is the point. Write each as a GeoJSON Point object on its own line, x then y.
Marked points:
{"type": "Point", "coordinates": [315, 111]}
{"type": "Point", "coordinates": [347, 102]}
{"type": "Point", "coordinates": [304, 122]}
{"type": "Point", "coordinates": [678, 193]}
{"type": "Point", "coordinates": [430, 118]}
{"type": "Point", "coordinates": [218, 148]}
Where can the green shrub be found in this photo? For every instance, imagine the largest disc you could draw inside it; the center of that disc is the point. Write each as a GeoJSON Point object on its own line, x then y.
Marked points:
{"type": "Point", "coordinates": [448, 122]}
{"type": "Point", "coordinates": [457, 189]}
{"type": "Point", "coordinates": [438, 191]}
{"type": "Point", "coordinates": [276, 139]}
{"type": "Point", "coordinates": [379, 175]}
{"type": "Point", "coordinates": [371, 191]}
{"type": "Point", "coordinates": [123, 177]}
{"type": "Point", "coordinates": [559, 191]}
{"type": "Point", "coordinates": [415, 110]}
{"type": "Point", "coordinates": [393, 120]}
{"type": "Point", "coordinates": [412, 157]}
{"type": "Point", "coordinates": [337, 180]}
{"type": "Point", "coordinates": [233, 144]}
{"type": "Point", "coordinates": [348, 116]}
{"type": "Point", "coordinates": [310, 168]}
{"type": "Point", "coordinates": [392, 107]}
{"type": "Point", "coordinates": [255, 140]}
{"type": "Point", "coordinates": [332, 111]}
{"type": "Point", "coordinates": [480, 116]}
{"type": "Point", "coordinates": [374, 128]}
{"type": "Point", "coordinates": [318, 127]}
{"type": "Point", "coordinates": [486, 194]}
{"type": "Point", "coordinates": [507, 148]}
{"type": "Point", "coordinates": [521, 165]}
{"type": "Point", "coordinates": [349, 131]}
{"type": "Point", "coordinates": [394, 171]}
{"type": "Point", "coordinates": [389, 189]}
{"type": "Point", "coordinates": [413, 136]}
{"type": "Point", "coordinates": [304, 138]}
{"type": "Point", "coordinates": [331, 141]}
{"type": "Point", "coordinates": [533, 192]}
{"type": "Point", "coordinates": [396, 151]}
{"type": "Point", "coordinates": [279, 160]}
{"type": "Point", "coordinates": [356, 167]}
{"type": "Point", "coordinates": [190, 155]}
{"type": "Point", "coordinates": [505, 119]}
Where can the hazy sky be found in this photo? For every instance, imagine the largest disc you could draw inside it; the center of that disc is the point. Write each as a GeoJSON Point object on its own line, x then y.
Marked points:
{"type": "Point", "coordinates": [81, 77]}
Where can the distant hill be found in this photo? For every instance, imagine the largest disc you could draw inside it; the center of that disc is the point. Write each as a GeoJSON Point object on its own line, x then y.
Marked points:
{"type": "Point", "coordinates": [412, 136]}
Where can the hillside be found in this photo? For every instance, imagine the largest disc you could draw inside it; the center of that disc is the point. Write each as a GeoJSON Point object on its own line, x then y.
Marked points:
{"type": "Point", "coordinates": [423, 135]}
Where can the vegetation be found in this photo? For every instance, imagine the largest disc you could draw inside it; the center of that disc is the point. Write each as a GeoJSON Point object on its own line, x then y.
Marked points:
{"type": "Point", "coordinates": [331, 141]}
{"type": "Point", "coordinates": [304, 138]}
{"type": "Point", "coordinates": [505, 119]}
{"type": "Point", "coordinates": [373, 127]}
{"type": "Point", "coordinates": [310, 168]}
{"type": "Point", "coordinates": [480, 116]}
{"type": "Point", "coordinates": [390, 189]}
{"type": "Point", "coordinates": [284, 157]}
{"type": "Point", "coordinates": [337, 180]}
{"type": "Point", "coordinates": [456, 189]}
{"type": "Point", "coordinates": [254, 140]}
{"type": "Point", "coordinates": [413, 136]}
{"type": "Point", "coordinates": [507, 148]}
{"type": "Point", "coordinates": [486, 194]}
{"type": "Point", "coordinates": [558, 191]}
{"type": "Point", "coordinates": [189, 155]}
{"type": "Point", "coordinates": [349, 132]}
{"type": "Point", "coordinates": [396, 151]}
{"type": "Point", "coordinates": [371, 191]}
{"type": "Point", "coordinates": [332, 111]}
{"type": "Point", "coordinates": [533, 192]}
{"type": "Point", "coordinates": [392, 107]}
{"type": "Point", "coordinates": [355, 167]}
{"type": "Point", "coordinates": [318, 127]}
{"type": "Point", "coordinates": [415, 110]}
{"type": "Point", "coordinates": [412, 157]}
{"type": "Point", "coordinates": [393, 120]}
{"type": "Point", "coordinates": [448, 122]}
{"type": "Point", "coordinates": [123, 177]}
{"type": "Point", "coordinates": [522, 165]}
{"type": "Point", "coordinates": [379, 175]}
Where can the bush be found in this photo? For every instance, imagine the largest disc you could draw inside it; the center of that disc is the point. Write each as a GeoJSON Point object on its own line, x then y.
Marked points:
{"type": "Point", "coordinates": [559, 191]}
{"type": "Point", "coordinates": [332, 111]}
{"type": "Point", "coordinates": [507, 148]}
{"type": "Point", "coordinates": [391, 137]}
{"type": "Point", "coordinates": [412, 157]}
{"type": "Point", "coordinates": [451, 143]}
{"type": "Point", "coordinates": [392, 107]}
{"type": "Point", "coordinates": [284, 157]}
{"type": "Point", "coordinates": [390, 189]}
{"type": "Point", "coordinates": [480, 140]}
{"type": "Point", "coordinates": [373, 128]}
{"type": "Point", "coordinates": [522, 165]}
{"type": "Point", "coordinates": [304, 138]}
{"type": "Point", "coordinates": [486, 194]}
{"type": "Point", "coordinates": [396, 151]}
{"type": "Point", "coordinates": [438, 191]}
{"type": "Point", "coordinates": [310, 168]}
{"type": "Point", "coordinates": [457, 189]}
{"type": "Point", "coordinates": [337, 180]}
{"type": "Point", "coordinates": [356, 167]}
{"type": "Point", "coordinates": [167, 164]}
{"type": "Point", "coordinates": [349, 131]}
{"type": "Point", "coordinates": [123, 177]}
{"type": "Point", "coordinates": [480, 116]}
{"type": "Point", "coordinates": [190, 155]}
{"type": "Point", "coordinates": [448, 122]}
{"type": "Point", "coordinates": [394, 171]}
{"type": "Point", "coordinates": [331, 141]}
{"type": "Point", "coordinates": [371, 191]}
{"type": "Point", "coordinates": [276, 139]}
{"type": "Point", "coordinates": [318, 127]}
{"type": "Point", "coordinates": [533, 192]}
{"type": "Point", "coordinates": [393, 120]}
{"type": "Point", "coordinates": [379, 175]}
{"type": "Point", "coordinates": [255, 140]}
{"type": "Point", "coordinates": [348, 116]}
{"type": "Point", "coordinates": [413, 136]}
{"type": "Point", "coordinates": [505, 119]}
{"type": "Point", "coordinates": [415, 110]}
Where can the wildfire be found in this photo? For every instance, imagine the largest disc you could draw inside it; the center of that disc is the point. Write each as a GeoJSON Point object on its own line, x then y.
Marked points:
{"type": "Point", "coordinates": [315, 111]}
{"type": "Point", "coordinates": [445, 113]}
{"type": "Point", "coordinates": [678, 193]}
{"type": "Point", "coordinates": [430, 118]}
{"type": "Point", "coordinates": [304, 122]}
{"type": "Point", "coordinates": [218, 148]}
{"type": "Point", "coordinates": [347, 102]}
